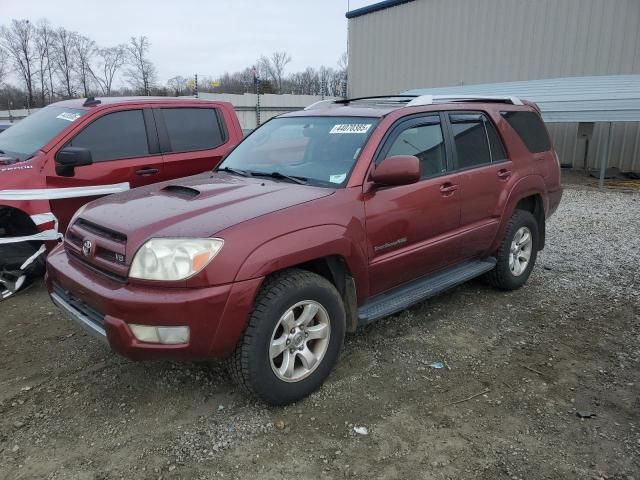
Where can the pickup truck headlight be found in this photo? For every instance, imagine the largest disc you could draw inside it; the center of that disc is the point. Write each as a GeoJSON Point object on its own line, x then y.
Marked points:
{"type": "Point", "coordinates": [171, 259]}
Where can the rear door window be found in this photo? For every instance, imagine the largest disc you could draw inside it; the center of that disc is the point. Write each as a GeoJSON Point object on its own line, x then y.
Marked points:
{"type": "Point", "coordinates": [531, 130]}
{"type": "Point", "coordinates": [191, 129]}
{"type": "Point", "coordinates": [476, 140]}
{"type": "Point", "coordinates": [115, 136]}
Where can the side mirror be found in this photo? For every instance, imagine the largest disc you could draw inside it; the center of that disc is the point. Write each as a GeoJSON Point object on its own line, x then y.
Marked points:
{"type": "Point", "coordinates": [397, 170]}
{"type": "Point", "coordinates": [70, 157]}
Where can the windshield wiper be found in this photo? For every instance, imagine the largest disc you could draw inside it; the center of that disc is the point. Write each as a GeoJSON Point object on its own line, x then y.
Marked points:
{"type": "Point", "coordinates": [237, 171]}
{"type": "Point", "coordinates": [282, 176]}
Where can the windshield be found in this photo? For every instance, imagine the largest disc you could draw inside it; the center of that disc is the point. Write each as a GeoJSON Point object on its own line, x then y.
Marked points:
{"type": "Point", "coordinates": [26, 137]}
{"type": "Point", "coordinates": [317, 150]}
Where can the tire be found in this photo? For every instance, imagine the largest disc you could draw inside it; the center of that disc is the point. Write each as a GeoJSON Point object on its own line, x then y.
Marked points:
{"type": "Point", "coordinates": [12, 278]}
{"type": "Point", "coordinates": [286, 299]}
{"type": "Point", "coordinates": [511, 276]}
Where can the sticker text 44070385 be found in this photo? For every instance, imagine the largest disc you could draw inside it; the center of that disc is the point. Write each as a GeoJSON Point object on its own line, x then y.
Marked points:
{"type": "Point", "coordinates": [351, 128]}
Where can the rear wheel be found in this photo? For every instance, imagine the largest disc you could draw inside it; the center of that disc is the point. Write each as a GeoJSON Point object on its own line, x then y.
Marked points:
{"type": "Point", "coordinates": [517, 253]}
{"type": "Point", "coordinates": [293, 338]}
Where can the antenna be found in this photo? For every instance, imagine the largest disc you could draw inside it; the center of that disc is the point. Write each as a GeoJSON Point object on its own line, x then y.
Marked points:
{"type": "Point", "coordinates": [91, 102]}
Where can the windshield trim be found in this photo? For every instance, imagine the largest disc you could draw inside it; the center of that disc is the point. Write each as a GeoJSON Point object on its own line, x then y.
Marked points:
{"type": "Point", "coordinates": [313, 182]}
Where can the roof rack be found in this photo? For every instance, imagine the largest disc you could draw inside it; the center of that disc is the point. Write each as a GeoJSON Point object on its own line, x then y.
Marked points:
{"type": "Point", "coordinates": [431, 99]}
{"type": "Point", "coordinates": [414, 100]}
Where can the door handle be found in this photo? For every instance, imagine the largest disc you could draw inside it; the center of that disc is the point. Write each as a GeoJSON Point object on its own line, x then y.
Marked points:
{"type": "Point", "coordinates": [448, 188]}
{"type": "Point", "coordinates": [504, 174]}
{"type": "Point", "coordinates": [145, 172]}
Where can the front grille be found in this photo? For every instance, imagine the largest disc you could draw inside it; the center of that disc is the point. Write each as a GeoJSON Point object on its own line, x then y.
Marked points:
{"type": "Point", "coordinates": [107, 253]}
{"type": "Point", "coordinates": [96, 269]}
{"type": "Point", "coordinates": [91, 313]}
{"type": "Point", "coordinates": [101, 231]}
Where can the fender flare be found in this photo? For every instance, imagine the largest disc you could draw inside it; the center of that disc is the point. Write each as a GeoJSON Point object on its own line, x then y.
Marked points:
{"type": "Point", "coordinates": [523, 188]}
{"type": "Point", "coordinates": [305, 245]}
{"type": "Point", "coordinates": [40, 221]}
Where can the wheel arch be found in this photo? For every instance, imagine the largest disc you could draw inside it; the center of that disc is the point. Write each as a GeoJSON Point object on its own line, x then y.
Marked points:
{"type": "Point", "coordinates": [325, 250]}
{"type": "Point", "coordinates": [535, 205]}
{"type": "Point", "coordinates": [528, 194]}
{"type": "Point", "coordinates": [15, 222]}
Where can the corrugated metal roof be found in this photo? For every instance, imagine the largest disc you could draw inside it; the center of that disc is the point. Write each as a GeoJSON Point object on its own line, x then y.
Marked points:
{"type": "Point", "coordinates": [375, 8]}
{"type": "Point", "coordinates": [607, 98]}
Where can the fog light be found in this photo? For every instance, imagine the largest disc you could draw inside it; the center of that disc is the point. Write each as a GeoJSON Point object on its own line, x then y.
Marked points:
{"type": "Point", "coordinates": [163, 335]}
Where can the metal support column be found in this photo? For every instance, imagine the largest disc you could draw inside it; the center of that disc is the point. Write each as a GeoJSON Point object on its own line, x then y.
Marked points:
{"type": "Point", "coordinates": [605, 157]}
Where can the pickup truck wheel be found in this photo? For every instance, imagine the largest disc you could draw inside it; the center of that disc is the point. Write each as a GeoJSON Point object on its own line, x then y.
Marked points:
{"type": "Point", "coordinates": [12, 277]}
{"type": "Point", "coordinates": [293, 338]}
{"type": "Point", "coordinates": [517, 253]}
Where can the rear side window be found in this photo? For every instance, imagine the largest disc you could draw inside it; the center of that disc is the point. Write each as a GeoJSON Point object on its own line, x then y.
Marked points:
{"type": "Point", "coordinates": [425, 142]}
{"type": "Point", "coordinates": [531, 130]}
{"type": "Point", "coordinates": [114, 136]}
{"type": "Point", "coordinates": [497, 149]}
{"type": "Point", "coordinates": [476, 140]}
{"type": "Point", "coordinates": [192, 129]}
{"type": "Point", "coordinates": [470, 136]}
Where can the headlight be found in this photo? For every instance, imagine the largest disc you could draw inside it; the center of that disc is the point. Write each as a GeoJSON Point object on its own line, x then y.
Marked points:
{"type": "Point", "coordinates": [171, 259]}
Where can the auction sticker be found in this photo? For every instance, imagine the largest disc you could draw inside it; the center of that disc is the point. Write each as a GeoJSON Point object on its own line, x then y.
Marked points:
{"type": "Point", "coordinates": [69, 116]}
{"type": "Point", "coordinates": [351, 128]}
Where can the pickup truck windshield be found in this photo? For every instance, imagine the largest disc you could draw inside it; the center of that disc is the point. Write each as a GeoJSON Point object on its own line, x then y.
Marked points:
{"type": "Point", "coordinates": [26, 137]}
{"type": "Point", "coordinates": [316, 150]}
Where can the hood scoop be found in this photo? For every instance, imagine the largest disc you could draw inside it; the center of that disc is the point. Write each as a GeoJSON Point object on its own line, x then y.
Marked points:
{"type": "Point", "coordinates": [181, 191]}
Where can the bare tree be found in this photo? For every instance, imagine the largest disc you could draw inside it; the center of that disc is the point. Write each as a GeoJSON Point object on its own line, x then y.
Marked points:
{"type": "Point", "coordinates": [4, 66]}
{"type": "Point", "coordinates": [142, 74]}
{"type": "Point", "coordinates": [177, 85]}
{"type": "Point", "coordinates": [84, 49]}
{"type": "Point", "coordinates": [45, 46]}
{"type": "Point", "coordinates": [18, 40]}
{"type": "Point", "coordinates": [343, 64]}
{"type": "Point", "coordinates": [273, 67]}
{"type": "Point", "coordinates": [65, 59]}
{"type": "Point", "coordinates": [111, 60]}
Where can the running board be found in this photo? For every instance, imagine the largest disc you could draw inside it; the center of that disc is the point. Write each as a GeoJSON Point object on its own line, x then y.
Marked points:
{"type": "Point", "coordinates": [399, 298]}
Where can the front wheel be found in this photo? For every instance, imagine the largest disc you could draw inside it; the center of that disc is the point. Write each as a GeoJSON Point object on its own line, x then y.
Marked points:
{"type": "Point", "coordinates": [13, 256]}
{"type": "Point", "coordinates": [293, 338]}
{"type": "Point", "coordinates": [517, 253]}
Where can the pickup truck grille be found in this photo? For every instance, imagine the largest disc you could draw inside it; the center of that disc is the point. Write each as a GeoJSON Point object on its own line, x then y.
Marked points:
{"type": "Point", "coordinates": [106, 254]}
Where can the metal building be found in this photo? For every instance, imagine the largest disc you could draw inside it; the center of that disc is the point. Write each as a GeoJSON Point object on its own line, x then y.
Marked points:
{"type": "Point", "coordinates": [400, 45]}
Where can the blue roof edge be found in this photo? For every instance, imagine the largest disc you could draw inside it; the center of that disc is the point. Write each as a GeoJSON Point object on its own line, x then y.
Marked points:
{"type": "Point", "coordinates": [358, 12]}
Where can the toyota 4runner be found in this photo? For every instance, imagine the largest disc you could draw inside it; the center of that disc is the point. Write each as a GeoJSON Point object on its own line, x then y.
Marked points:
{"type": "Point", "coordinates": [318, 222]}
{"type": "Point", "coordinates": [71, 152]}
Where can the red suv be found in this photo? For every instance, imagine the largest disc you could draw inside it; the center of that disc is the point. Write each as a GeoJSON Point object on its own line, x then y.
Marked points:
{"type": "Point", "coordinates": [318, 222]}
{"type": "Point", "coordinates": [71, 152]}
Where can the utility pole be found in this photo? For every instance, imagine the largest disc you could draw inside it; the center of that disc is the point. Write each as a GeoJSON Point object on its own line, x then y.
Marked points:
{"type": "Point", "coordinates": [256, 81]}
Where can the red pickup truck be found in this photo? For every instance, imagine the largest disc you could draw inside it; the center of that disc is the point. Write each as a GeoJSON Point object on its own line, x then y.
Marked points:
{"type": "Point", "coordinates": [71, 152]}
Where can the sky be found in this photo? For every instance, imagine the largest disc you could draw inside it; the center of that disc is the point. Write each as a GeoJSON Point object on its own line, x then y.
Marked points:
{"type": "Point", "coordinates": [204, 37]}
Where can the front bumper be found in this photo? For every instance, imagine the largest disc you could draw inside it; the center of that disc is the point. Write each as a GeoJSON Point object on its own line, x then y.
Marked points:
{"type": "Point", "coordinates": [215, 315]}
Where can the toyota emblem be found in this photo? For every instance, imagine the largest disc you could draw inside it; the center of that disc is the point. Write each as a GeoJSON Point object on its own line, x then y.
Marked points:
{"type": "Point", "coordinates": [86, 248]}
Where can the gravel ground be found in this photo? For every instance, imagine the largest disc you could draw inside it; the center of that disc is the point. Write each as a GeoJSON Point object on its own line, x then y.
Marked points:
{"type": "Point", "coordinates": [539, 383]}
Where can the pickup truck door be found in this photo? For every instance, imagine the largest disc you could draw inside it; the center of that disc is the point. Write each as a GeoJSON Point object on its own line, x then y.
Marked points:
{"type": "Point", "coordinates": [193, 139]}
{"type": "Point", "coordinates": [411, 228]}
{"type": "Point", "coordinates": [125, 153]}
